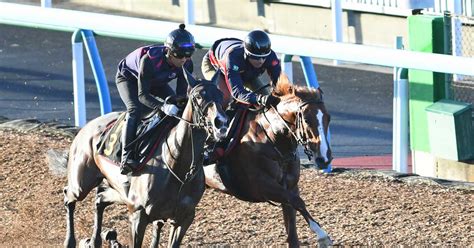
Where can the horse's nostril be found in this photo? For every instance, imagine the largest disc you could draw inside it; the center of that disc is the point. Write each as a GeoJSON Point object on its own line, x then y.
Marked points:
{"type": "Point", "coordinates": [218, 123]}
{"type": "Point", "coordinates": [223, 131]}
{"type": "Point", "coordinates": [320, 162]}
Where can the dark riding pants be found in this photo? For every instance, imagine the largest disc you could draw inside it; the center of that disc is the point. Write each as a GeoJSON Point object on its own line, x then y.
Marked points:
{"type": "Point", "coordinates": [128, 91]}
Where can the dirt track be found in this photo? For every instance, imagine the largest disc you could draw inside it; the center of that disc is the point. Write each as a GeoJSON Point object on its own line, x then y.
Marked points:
{"type": "Point", "coordinates": [356, 208]}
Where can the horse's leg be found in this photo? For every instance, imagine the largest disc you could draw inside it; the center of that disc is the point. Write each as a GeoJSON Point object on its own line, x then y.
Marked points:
{"type": "Point", "coordinates": [138, 223]}
{"type": "Point", "coordinates": [82, 178]}
{"type": "Point", "coordinates": [179, 229]}
{"type": "Point", "coordinates": [172, 234]}
{"type": "Point", "coordinates": [298, 204]}
{"type": "Point", "coordinates": [105, 197]}
{"type": "Point", "coordinates": [70, 240]}
{"type": "Point", "coordinates": [157, 226]}
{"type": "Point", "coordinates": [278, 193]}
{"type": "Point", "coordinates": [289, 216]}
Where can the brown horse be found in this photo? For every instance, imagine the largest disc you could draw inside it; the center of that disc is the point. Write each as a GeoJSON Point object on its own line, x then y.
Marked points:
{"type": "Point", "coordinates": [170, 185]}
{"type": "Point", "coordinates": [265, 166]}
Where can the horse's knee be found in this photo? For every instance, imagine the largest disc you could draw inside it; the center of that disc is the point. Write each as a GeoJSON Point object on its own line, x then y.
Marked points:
{"type": "Point", "coordinates": [72, 195]}
{"type": "Point", "coordinates": [69, 198]}
{"type": "Point", "coordinates": [297, 202]}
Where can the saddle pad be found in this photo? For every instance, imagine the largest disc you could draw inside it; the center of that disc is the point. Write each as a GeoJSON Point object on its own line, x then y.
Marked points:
{"type": "Point", "coordinates": [110, 144]}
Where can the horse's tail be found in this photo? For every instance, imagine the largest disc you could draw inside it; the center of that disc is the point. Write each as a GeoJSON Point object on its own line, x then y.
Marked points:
{"type": "Point", "coordinates": [57, 161]}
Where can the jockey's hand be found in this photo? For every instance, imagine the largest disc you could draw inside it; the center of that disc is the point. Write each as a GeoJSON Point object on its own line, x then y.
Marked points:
{"type": "Point", "coordinates": [171, 99]}
{"type": "Point", "coordinates": [169, 109]}
{"type": "Point", "coordinates": [268, 100]}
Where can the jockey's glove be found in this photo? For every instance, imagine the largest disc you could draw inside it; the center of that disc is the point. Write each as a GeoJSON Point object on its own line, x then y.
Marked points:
{"type": "Point", "coordinates": [268, 100]}
{"type": "Point", "coordinates": [169, 109]}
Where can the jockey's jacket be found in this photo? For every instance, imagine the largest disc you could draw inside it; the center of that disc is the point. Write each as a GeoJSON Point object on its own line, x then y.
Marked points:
{"type": "Point", "coordinates": [227, 55]}
{"type": "Point", "coordinates": [148, 66]}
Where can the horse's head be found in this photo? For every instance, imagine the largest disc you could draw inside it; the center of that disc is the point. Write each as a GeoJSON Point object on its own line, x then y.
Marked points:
{"type": "Point", "coordinates": [206, 100]}
{"type": "Point", "coordinates": [303, 108]}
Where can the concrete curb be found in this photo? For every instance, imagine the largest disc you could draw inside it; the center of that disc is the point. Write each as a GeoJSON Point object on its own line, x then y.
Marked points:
{"type": "Point", "coordinates": [32, 125]}
{"type": "Point", "coordinates": [29, 125]}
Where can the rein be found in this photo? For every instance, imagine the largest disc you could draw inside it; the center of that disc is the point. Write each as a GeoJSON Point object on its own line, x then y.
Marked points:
{"type": "Point", "coordinates": [199, 120]}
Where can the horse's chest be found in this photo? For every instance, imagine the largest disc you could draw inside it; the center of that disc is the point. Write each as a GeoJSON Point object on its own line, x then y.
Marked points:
{"type": "Point", "coordinates": [172, 201]}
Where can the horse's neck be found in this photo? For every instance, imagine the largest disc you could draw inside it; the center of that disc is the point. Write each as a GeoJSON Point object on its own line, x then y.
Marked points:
{"type": "Point", "coordinates": [273, 124]}
{"type": "Point", "coordinates": [184, 144]}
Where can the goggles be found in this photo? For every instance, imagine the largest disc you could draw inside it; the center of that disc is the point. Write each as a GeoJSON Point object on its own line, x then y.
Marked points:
{"type": "Point", "coordinates": [181, 55]}
{"type": "Point", "coordinates": [256, 56]}
{"type": "Point", "coordinates": [185, 50]}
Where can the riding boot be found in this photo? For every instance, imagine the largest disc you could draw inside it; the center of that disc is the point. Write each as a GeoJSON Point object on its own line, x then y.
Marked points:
{"type": "Point", "coordinates": [128, 162]}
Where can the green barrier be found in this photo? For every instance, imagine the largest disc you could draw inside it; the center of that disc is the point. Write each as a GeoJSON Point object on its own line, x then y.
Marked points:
{"type": "Point", "coordinates": [426, 34]}
{"type": "Point", "coordinates": [449, 125]}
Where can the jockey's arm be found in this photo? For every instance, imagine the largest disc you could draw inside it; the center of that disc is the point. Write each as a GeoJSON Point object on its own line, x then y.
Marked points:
{"type": "Point", "coordinates": [145, 75]}
{"type": "Point", "coordinates": [181, 83]}
{"type": "Point", "coordinates": [273, 67]}
{"type": "Point", "coordinates": [235, 83]}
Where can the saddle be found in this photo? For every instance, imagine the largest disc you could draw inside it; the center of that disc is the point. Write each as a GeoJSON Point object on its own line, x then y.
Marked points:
{"type": "Point", "coordinates": [150, 133]}
{"type": "Point", "coordinates": [237, 113]}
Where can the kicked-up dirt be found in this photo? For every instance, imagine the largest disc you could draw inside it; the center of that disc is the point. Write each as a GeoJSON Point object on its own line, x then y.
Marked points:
{"type": "Point", "coordinates": [354, 207]}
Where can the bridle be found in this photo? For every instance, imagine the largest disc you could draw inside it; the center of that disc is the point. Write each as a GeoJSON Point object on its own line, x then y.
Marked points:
{"type": "Point", "coordinates": [299, 135]}
{"type": "Point", "coordinates": [198, 122]}
{"type": "Point", "coordinates": [199, 112]}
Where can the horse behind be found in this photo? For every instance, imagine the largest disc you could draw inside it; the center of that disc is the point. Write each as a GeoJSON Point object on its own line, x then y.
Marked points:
{"type": "Point", "coordinates": [265, 165]}
{"type": "Point", "coordinates": [171, 183]}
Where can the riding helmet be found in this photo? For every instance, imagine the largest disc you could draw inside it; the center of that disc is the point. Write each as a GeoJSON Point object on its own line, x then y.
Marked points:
{"type": "Point", "coordinates": [257, 44]}
{"type": "Point", "coordinates": [180, 42]}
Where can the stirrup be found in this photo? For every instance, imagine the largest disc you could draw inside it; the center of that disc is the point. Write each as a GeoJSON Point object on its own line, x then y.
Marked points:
{"type": "Point", "coordinates": [129, 166]}
{"type": "Point", "coordinates": [125, 169]}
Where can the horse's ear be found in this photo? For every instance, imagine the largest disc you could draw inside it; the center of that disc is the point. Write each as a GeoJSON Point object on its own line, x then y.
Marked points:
{"type": "Point", "coordinates": [284, 86]}
{"type": "Point", "coordinates": [215, 77]}
{"type": "Point", "coordinates": [189, 78]}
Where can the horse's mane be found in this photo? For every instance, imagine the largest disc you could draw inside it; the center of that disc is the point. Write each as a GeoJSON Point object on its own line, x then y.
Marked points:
{"type": "Point", "coordinates": [287, 90]}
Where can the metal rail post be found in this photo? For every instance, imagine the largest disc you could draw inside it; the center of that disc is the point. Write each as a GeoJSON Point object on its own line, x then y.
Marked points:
{"type": "Point", "coordinates": [98, 71]}
{"type": "Point", "coordinates": [336, 10]}
{"type": "Point", "coordinates": [287, 66]}
{"type": "Point", "coordinates": [456, 32]}
{"type": "Point", "coordinates": [189, 12]}
{"type": "Point", "coordinates": [46, 3]}
{"type": "Point", "coordinates": [309, 72]}
{"type": "Point", "coordinates": [78, 80]}
{"type": "Point", "coordinates": [400, 116]}
{"type": "Point", "coordinates": [87, 36]}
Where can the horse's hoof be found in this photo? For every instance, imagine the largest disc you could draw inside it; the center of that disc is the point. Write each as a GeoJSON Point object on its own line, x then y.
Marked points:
{"type": "Point", "coordinates": [70, 244]}
{"type": "Point", "coordinates": [115, 244]}
{"type": "Point", "coordinates": [109, 235]}
{"type": "Point", "coordinates": [324, 242]}
{"type": "Point", "coordinates": [85, 243]}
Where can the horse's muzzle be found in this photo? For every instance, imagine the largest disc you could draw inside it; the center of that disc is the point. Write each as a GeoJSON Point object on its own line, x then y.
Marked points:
{"type": "Point", "coordinates": [321, 163]}
{"type": "Point", "coordinates": [220, 127]}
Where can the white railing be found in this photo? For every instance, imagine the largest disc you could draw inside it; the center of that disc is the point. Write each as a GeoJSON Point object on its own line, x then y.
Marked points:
{"type": "Point", "coordinates": [137, 28]}
{"type": "Point", "coordinates": [389, 7]}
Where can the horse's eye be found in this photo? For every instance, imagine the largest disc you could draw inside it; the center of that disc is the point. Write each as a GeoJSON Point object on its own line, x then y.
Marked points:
{"type": "Point", "coordinates": [198, 97]}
